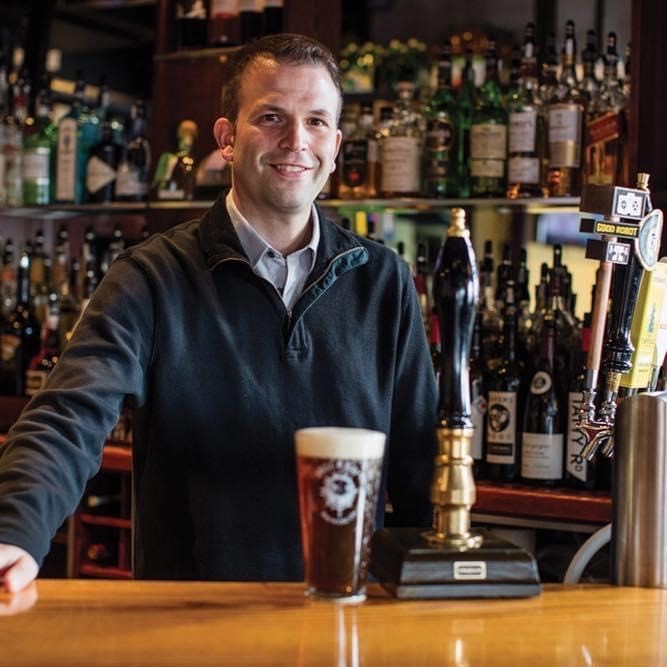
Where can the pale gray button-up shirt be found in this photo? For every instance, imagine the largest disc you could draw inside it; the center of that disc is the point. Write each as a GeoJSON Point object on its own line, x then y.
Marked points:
{"type": "Point", "coordinates": [288, 274]}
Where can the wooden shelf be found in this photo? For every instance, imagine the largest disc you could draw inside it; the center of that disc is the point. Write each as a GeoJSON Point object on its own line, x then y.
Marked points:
{"type": "Point", "coordinates": [536, 502]}
{"type": "Point", "coordinates": [103, 520]}
{"type": "Point", "coordinates": [101, 572]}
{"type": "Point", "coordinates": [117, 458]}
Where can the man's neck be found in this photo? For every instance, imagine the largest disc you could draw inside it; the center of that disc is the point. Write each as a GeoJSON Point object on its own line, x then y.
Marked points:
{"type": "Point", "coordinates": [286, 234]}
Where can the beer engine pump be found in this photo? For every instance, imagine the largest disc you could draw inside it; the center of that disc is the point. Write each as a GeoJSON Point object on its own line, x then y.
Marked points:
{"type": "Point", "coordinates": [628, 246]}
{"type": "Point", "coordinates": [452, 560]}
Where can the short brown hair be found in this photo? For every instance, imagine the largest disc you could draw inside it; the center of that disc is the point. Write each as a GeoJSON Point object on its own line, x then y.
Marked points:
{"type": "Point", "coordinates": [286, 48]}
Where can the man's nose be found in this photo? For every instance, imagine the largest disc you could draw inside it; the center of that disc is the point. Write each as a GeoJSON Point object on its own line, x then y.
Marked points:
{"type": "Point", "coordinates": [295, 137]}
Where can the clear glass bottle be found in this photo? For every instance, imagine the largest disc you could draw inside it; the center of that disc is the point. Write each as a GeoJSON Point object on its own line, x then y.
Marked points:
{"type": "Point", "coordinates": [488, 134]}
{"type": "Point", "coordinates": [401, 148]}
{"type": "Point", "coordinates": [565, 126]}
{"type": "Point", "coordinates": [439, 138]}
{"type": "Point", "coordinates": [526, 163]}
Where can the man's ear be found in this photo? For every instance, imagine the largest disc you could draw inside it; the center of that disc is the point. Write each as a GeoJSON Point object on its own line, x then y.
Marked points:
{"type": "Point", "coordinates": [223, 131]}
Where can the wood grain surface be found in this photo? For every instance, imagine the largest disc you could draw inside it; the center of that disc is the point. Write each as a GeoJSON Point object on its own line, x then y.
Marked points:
{"type": "Point", "coordinates": [132, 623]}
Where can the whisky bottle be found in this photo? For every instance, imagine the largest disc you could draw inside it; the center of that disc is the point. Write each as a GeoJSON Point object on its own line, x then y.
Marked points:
{"type": "Point", "coordinates": [526, 147]}
{"type": "Point", "coordinates": [605, 127]}
{"type": "Point", "coordinates": [439, 137]}
{"type": "Point", "coordinates": [401, 148]}
{"type": "Point", "coordinates": [488, 134]}
{"type": "Point", "coordinates": [565, 123]}
{"type": "Point", "coordinates": [175, 174]}
{"type": "Point", "coordinates": [102, 166]}
{"type": "Point", "coordinates": [360, 161]}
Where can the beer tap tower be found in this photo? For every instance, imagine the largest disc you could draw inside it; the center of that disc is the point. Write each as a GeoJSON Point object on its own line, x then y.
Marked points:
{"type": "Point", "coordinates": [451, 560]}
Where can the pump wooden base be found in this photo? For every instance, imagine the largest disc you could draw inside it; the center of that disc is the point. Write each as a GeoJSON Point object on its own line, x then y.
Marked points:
{"type": "Point", "coordinates": [410, 567]}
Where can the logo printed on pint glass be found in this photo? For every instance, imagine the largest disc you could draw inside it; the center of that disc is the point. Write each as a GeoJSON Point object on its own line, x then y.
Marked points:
{"type": "Point", "coordinates": [339, 491]}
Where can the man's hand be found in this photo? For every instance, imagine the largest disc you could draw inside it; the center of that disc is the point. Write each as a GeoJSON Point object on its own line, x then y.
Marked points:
{"type": "Point", "coordinates": [17, 568]}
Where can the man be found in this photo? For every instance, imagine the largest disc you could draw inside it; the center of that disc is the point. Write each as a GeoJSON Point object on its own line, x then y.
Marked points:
{"type": "Point", "coordinates": [227, 334]}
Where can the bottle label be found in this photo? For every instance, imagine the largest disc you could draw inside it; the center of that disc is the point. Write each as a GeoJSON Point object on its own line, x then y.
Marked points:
{"type": "Point", "coordinates": [355, 162]}
{"type": "Point", "coordinates": [66, 164]}
{"type": "Point", "coordinates": [501, 427]}
{"type": "Point", "coordinates": [439, 135]}
{"type": "Point", "coordinates": [490, 168]}
{"type": "Point", "coordinates": [129, 183]}
{"type": "Point", "coordinates": [98, 175]}
{"type": "Point", "coordinates": [36, 163]}
{"type": "Point", "coordinates": [565, 135]}
{"type": "Point", "coordinates": [603, 149]}
{"type": "Point", "coordinates": [400, 164]}
{"type": "Point", "coordinates": [224, 9]}
{"type": "Point", "coordinates": [541, 383]}
{"type": "Point", "coordinates": [542, 456]}
{"type": "Point", "coordinates": [34, 381]}
{"type": "Point", "coordinates": [576, 465]}
{"type": "Point", "coordinates": [523, 127]}
{"type": "Point", "coordinates": [477, 414]}
{"type": "Point", "coordinates": [488, 141]}
{"type": "Point", "coordinates": [523, 170]}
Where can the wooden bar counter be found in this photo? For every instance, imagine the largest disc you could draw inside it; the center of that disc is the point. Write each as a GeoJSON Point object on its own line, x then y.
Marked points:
{"type": "Point", "coordinates": [133, 623]}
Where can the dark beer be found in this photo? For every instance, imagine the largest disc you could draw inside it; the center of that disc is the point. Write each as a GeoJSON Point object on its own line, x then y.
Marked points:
{"type": "Point", "coordinates": [338, 474]}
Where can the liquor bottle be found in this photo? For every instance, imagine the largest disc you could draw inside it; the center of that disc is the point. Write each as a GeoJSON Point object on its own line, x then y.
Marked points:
{"type": "Point", "coordinates": [523, 297]}
{"type": "Point", "coordinates": [190, 24]}
{"type": "Point", "coordinates": [175, 174]}
{"type": "Point", "coordinates": [401, 148]}
{"type": "Point", "coordinates": [133, 175]}
{"type": "Point", "coordinates": [102, 167]}
{"type": "Point", "coordinates": [421, 284]}
{"type": "Point", "coordinates": [491, 321]}
{"type": "Point", "coordinates": [589, 83]}
{"type": "Point", "coordinates": [478, 402]}
{"type": "Point", "coordinates": [579, 472]}
{"type": "Point", "coordinates": [39, 147]}
{"type": "Point", "coordinates": [381, 131]}
{"type": "Point", "coordinates": [605, 127]}
{"type": "Point", "coordinates": [224, 28]}
{"type": "Point", "coordinates": [549, 74]}
{"type": "Point", "coordinates": [488, 134]}
{"type": "Point", "coordinates": [78, 131]}
{"type": "Point", "coordinates": [565, 122]}
{"type": "Point", "coordinates": [273, 16]}
{"type": "Point", "coordinates": [19, 335]}
{"type": "Point", "coordinates": [504, 402]}
{"type": "Point", "coordinates": [504, 273]}
{"type": "Point", "coordinates": [8, 280]}
{"type": "Point", "coordinates": [465, 104]}
{"type": "Point", "coordinates": [544, 420]}
{"type": "Point", "coordinates": [436, 169]}
{"type": "Point", "coordinates": [358, 176]}
{"type": "Point", "coordinates": [526, 145]}
{"type": "Point", "coordinates": [250, 13]}
{"type": "Point", "coordinates": [45, 360]}
{"type": "Point", "coordinates": [39, 288]}
{"type": "Point", "coordinates": [11, 147]}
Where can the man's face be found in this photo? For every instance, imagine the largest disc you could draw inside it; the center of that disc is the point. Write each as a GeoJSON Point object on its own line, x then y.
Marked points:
{"type": "Point", "coordinates": [284, 143]}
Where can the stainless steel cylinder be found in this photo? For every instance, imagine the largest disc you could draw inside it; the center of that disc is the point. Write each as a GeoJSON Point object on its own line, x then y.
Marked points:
{"type": "Point", "coordinates": [639, 529]}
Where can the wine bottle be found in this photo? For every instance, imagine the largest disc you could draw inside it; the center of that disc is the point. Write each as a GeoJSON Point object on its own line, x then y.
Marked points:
{"type": "Point", "coordinates": [478, 402]}
{"type": "Point", "coordinates": [19, 335]}
{"type": "Point", "coordinates": [505, 393]}
{"type": "Point", "coordinates": [543, 436]}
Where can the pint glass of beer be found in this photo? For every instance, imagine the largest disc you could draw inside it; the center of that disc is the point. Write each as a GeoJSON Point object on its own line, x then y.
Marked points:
{"type": "Point", "coordinates": [338, 472]}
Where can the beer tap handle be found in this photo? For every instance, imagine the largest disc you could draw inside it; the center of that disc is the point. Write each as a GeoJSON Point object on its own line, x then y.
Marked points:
{"type": "Point", "coordinates": [456, 293]}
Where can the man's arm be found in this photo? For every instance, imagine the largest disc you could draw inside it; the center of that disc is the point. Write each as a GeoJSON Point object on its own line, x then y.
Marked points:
{"type": "Point", "coordinates": [56, 445]}
{"type": "Point", "coordinates": [414, 415]}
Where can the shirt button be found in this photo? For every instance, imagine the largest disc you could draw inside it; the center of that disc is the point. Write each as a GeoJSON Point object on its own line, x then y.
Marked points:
{"type": "Point", "coordinates": [271, 254]}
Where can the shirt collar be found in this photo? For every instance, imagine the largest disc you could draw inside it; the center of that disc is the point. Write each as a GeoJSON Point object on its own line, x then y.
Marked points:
{"type": "Point", "coordinates": [255, 247]}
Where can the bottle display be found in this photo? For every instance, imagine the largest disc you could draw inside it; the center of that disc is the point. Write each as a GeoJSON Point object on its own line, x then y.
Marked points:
{"type": "Point", "coordinates": [359, 160]}
{"type": "Point", "coordinates": [133, 175]}
{"type": "Point", "coordinates": [175, 173]}
{"type": "Point", "coordinates": [102, 166]}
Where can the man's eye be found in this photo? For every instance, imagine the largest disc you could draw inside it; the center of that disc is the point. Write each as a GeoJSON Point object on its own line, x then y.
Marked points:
{"type": "Point", "coordinates": [318, 122]}
{"type": "Point", "coordinates": [271, 118]}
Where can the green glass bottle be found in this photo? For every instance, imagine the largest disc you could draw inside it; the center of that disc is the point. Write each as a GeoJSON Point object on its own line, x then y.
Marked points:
{"type": "Point", "coordinates": [462, 116]}
{"type": "Point", "coordinates": [488, 134]}
{"type": "Point", "coordinates": [39, 147]}
{"type": "Point", "coordinates": [439, 138]}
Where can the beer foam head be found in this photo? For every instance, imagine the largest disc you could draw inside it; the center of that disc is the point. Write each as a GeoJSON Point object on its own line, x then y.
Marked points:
{"type": "Point", "coordinates": [334, 442]}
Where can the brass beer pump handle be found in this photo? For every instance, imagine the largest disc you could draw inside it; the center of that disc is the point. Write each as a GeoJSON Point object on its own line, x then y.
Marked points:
{"type": "Point", "coordinates": [456, 293]}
